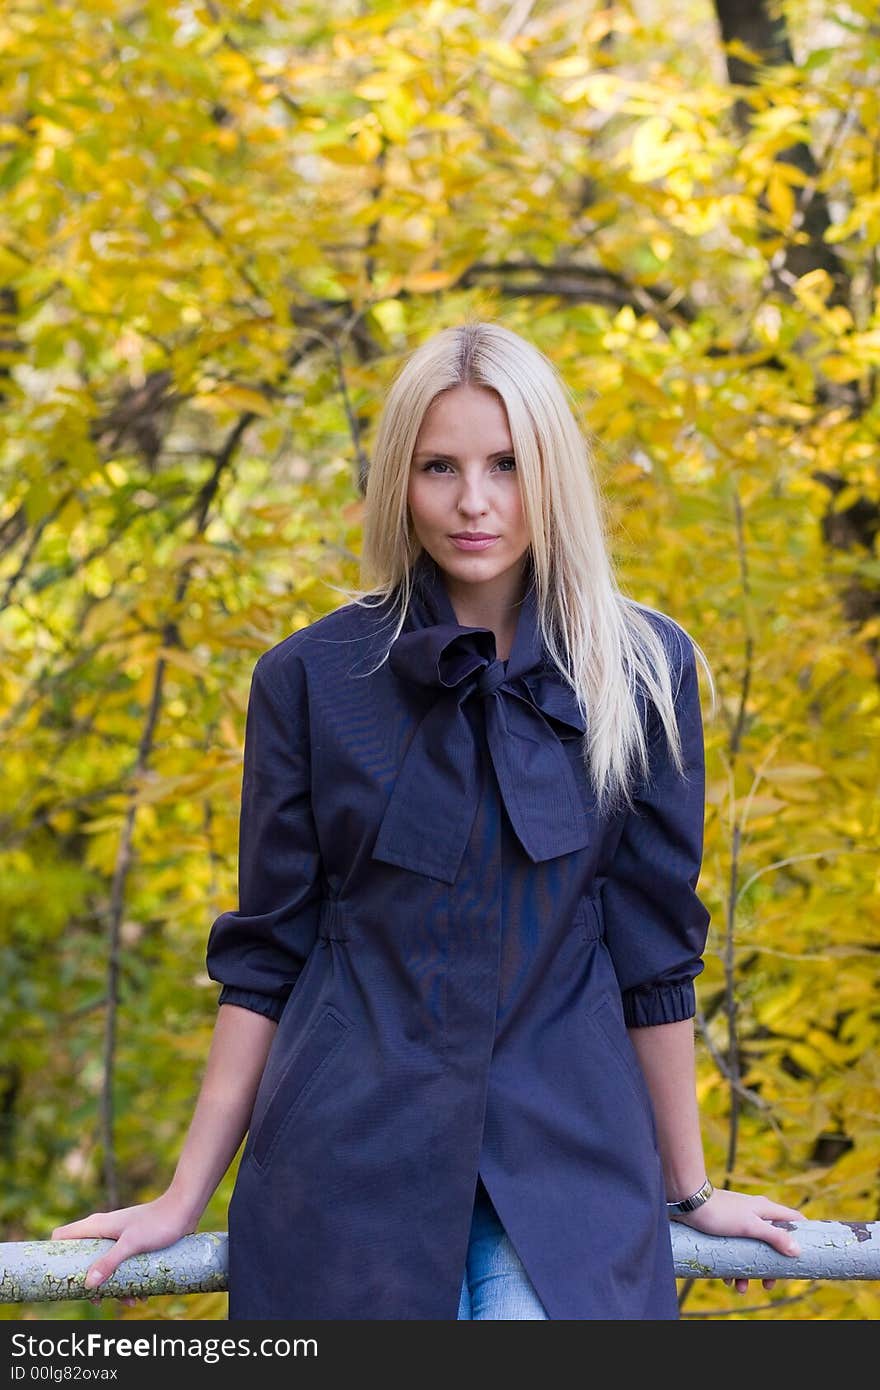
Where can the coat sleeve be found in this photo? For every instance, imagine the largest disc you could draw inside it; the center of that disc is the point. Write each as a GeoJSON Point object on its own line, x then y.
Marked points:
{"type": "Point", "coordinates": [655, 924]}
{"type": "Point", "coordinates": [258, 951]}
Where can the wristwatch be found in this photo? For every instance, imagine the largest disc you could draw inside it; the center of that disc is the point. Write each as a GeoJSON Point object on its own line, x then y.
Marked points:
{"type": "Point", "coordinates": [687, 1204]}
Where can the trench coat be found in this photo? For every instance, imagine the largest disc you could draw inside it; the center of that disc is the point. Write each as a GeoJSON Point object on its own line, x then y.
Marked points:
{"type": "Point", "coordinates": [454, 945]}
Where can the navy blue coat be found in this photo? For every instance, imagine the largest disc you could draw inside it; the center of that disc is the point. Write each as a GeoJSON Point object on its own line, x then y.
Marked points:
{"type": "Point", "coordinates": [454, 944]}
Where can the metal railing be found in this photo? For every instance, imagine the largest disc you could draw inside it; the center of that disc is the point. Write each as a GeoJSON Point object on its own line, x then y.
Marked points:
{"type": "Point", "coordinates": [42, 1271]}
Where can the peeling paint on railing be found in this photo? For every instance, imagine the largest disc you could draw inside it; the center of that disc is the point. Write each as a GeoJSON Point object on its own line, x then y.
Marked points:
{"type": "Point", "coordinates": [38, 1271]}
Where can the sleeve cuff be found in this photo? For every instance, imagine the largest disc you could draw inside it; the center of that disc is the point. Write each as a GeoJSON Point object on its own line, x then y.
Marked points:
{"type": "Point", "coordinates": [643, 1008]}
{"type": "Point", "coordinates": [265, 1004]}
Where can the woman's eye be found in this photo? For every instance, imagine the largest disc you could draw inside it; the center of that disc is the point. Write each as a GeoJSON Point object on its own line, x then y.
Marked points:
{"type": "Point", "coordinates": [505, 464]}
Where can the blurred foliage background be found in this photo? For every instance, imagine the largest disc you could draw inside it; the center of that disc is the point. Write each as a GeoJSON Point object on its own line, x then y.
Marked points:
{"type": "Point", "coordinates": [222, 225]}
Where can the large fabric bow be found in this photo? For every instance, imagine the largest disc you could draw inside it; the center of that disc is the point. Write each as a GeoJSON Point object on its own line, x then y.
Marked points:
{"type": "Point", "coordinates": [528, 710]}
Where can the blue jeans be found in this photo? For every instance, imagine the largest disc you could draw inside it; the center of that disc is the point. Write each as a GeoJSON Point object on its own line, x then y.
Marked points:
{"type": "Point", "coordinates": [495, 1282]}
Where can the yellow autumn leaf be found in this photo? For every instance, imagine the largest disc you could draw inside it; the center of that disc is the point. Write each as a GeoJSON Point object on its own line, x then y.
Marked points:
{"type": "Point", "coordinates": [841, 367]}
{"type": "Point", "coordinates": [808, 1058]}
{"type": "Point", "coordinates": [175, 656]}
{"type": "Point", "coordinates": [754, 806]}
{"type": "Point", "coordinates": [368, 143]}
{"type": "Point", "coordinates": [343, 153]}
{"type": "Point", "coordinates": [228, 395]}
{"type": "Point", "coordinates": [389, 315]}
{"type": "Point", "coordinates": [781, 198]}
{"type": "Point", "coordinates": [794, 772]}
{"type": "Point", "coordinates": [101, 823]}
{"type": "Point", "coordinates": [814, 282]}
{"type": "Point", "coordinates": [375, 88]}
{"type": "Point", "coordinates": [573, 65]}
{"type": "Point", "coordinates": [116, 472]}
{"type": "Point", "coordinates": [397, 115]}
{"type": "Point", "coordinates": [504, 53]}
{"type": "Point", "coordinates": [829, 1047]}
{"type": "Point", "coordinates": [772, 1008]}
{"type": "Point", "coordinates": [428, 281]}
{"type": "Point", "coordinates": [643, 389]}
{"type": "Point", "coordinates": [649, 153]}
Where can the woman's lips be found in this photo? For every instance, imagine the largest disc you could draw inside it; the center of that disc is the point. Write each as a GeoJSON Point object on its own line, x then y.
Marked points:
{"type": "Point", "coordinates": [464, 543]}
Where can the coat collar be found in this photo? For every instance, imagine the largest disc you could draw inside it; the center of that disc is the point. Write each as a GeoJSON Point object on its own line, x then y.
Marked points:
{"type": "Point", "coordinates": [432, 616]}
{"type": "Point", "coordinates": [529, 709]}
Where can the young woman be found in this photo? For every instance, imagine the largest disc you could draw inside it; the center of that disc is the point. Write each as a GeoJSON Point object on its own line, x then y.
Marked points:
{"type": "Point", "coordinates": [456, 1016]}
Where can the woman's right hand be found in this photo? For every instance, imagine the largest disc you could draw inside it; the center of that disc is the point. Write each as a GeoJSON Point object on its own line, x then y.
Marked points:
{"type": "Point", "coordinates": [149, 1226]}
{"type": "Point", "coordinates": [239, 1048]}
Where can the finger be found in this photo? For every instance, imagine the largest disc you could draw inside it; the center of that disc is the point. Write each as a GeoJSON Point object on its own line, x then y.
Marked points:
{"type": "Point", "coordinates": [742, 1285]}
{"type": "Point", "coordinates": [775, 1211]}
{"type": "Point", "coordinates": [764, 1228]}
{"type": "Point", "coordinates": [778, 1237]}
{"type": "Point", "coordinates": [769, 1283]}
{"type": "Point", "coordinates": [72, 1231]}
{"type": "Point", "coordinates": [95, 1275]}
{"type": "Point", "coordinates": [97, 1225]}
{"type": "Point", "coordinates": [101, 1270]}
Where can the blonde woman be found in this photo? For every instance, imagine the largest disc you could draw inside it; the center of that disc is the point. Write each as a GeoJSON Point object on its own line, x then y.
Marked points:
{"type": "Point", "coordinates": [456, 1015]}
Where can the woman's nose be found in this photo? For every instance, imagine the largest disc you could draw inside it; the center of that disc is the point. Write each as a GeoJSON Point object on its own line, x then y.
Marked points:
{"type": "Point", "coordinates": [472, 497]}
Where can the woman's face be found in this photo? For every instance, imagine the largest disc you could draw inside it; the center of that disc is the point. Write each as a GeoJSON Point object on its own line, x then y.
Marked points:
{"type": "Point", "coordinates": [463, 482]}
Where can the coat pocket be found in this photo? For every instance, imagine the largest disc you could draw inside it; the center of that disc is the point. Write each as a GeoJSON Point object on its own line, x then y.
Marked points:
{"type": "Point", "coordinates": [589, 916]}
{"type": "Point", "coordinates": [300, 1074]}
{"type": "Point", "coordinates": [613, 1032]}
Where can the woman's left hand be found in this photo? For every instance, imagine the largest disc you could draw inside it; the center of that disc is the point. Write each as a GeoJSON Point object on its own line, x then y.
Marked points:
{"type": "Point", "coordinates": [737, 1214]}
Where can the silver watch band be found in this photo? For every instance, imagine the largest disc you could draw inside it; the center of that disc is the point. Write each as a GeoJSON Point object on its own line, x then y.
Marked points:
{"type": "Point", "coordinates": [697, 1199]}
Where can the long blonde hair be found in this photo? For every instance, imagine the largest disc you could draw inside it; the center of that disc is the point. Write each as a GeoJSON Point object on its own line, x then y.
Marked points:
{"type": "Point", "coordinates": [600, 639]}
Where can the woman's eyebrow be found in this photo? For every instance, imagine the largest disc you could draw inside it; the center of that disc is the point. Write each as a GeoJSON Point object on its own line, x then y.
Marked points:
{"type": "Point", "coordinates": [451, 458]}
